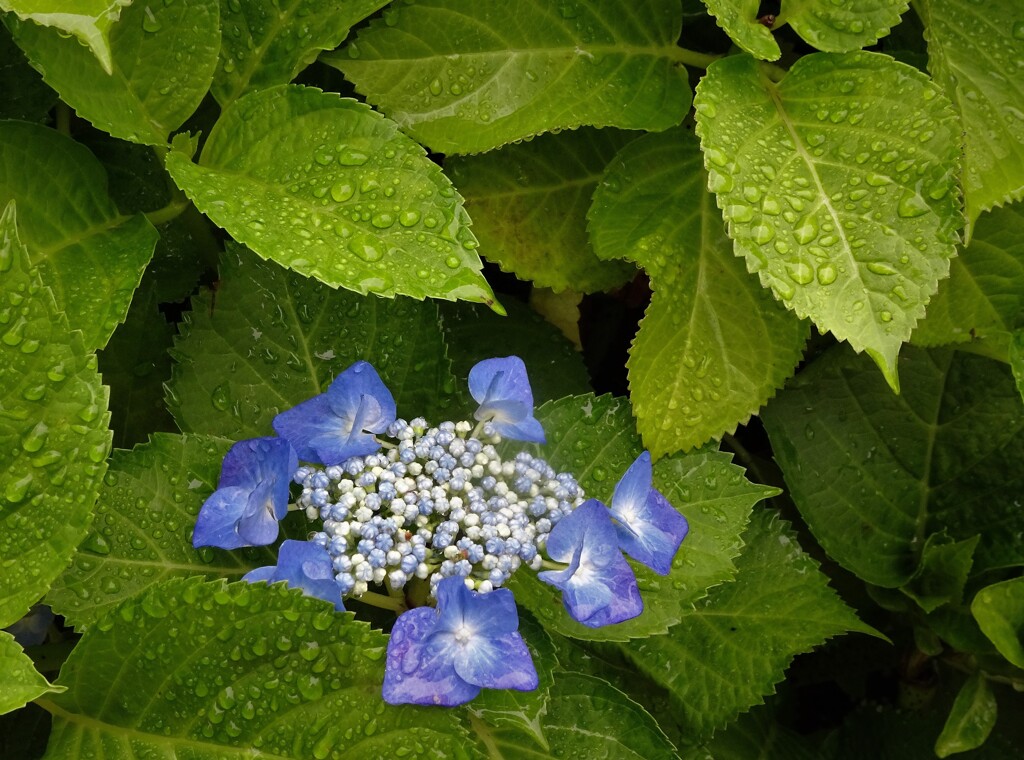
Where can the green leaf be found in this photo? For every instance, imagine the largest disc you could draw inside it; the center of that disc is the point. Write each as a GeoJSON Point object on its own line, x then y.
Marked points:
{"type": "Point", "coordinates": [714, 345]}
{"type": "Point", "coordinates": [586, 717]}
{"type": "Point", "coordinates": [150, 93]}
{"type": "Point", "coordinates": [739, 20]}
{"type": "Point", "coordinates": [529, 204]}
{"type": "Point", "coordinates": [948, 453]}
{"type": "Point", "coordinates": [592, 438]}
{"type": "Point", "coordinates": [840, 26]}
{"type": "Point", "coordinates": [463, 76]}
{"type": "Point", "coordinates": [999, 610]}
{"type": "Point", "coordinates": [942, 573]}
{"type": "Point", "coordinates": [53, 430]}
{"type": "Point", "coordinates": [727, 654]}
{"type": "Point", "coordinates": [268, 339]}
{"type": "Point", "coordinates": [804, 174]}
{"type": "Point", "coordinates": [327, 187]}
{"type": "Point", "coordinates": [971, 720]}
{"type": "Point", "coordinates": [213, 670]}
{"type": "Point", "coordinates": [143, 535]}
{"type": "Point", "coordinates": [555, 368]}
{"type": "Point", "coordinates": [984, 295]}
{"type": "Point", "coordinates": [88, 254]}
{"type": "Point", "coordinates": [974, 54]}
{"type": "Point", "coordinates": [26, 96]}
{"type": "Point", "coordinates": [268, 42]}
{"type": "Point", "coordinates": [134, 365]}
{"type": "Point", "coordinates": [1016, 359]}
{"type": "Point", "coordinates": [520, 713]}
{"type": "Point", "coordinates": [88, 20]}
{"type": "Point", "coordinates": [20, 682]}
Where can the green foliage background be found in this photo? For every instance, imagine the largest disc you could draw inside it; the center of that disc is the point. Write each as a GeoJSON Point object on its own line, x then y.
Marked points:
{"type": "Point", "coordinates": [210, 209]}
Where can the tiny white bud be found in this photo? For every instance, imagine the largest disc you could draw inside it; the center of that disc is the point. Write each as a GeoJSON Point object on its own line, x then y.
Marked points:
{"type": "Point", "coordinates": [451, 552]}
{"type": "Point", "coordinates": [423, 570]}
{"type": "Point", "coordinates": [379, 574]}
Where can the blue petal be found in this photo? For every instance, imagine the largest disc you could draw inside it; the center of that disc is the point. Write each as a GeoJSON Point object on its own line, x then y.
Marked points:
{"type": "Point", "coordinates": [307, 566]}
{"type": "Point", "coordinates": [487, 615]}
{"type": "Point", "coordinates": [500, 662]}
{"type": "Point", "coordinates": [301, 424]}
{"type": "Point", "coordinates": [501, 388]}
{"type": "Point", "coordinates": [265, 573]}
{"type": "Point", "coordinates": [649, 528]}
{"type": "Point", "coordinates": [599, 587]}
{"type": "Point", "coordinates": [258, 524]}
{"type": "Point", "coordinates": [329, 428]}
{"type": "Point", "coordinates": [419, 668]}
{"type": "Point", "coordinates": [255, 460]}
{"type": "Point", "coordinates": [359, 394]}
{"type": "Point", "coordinates": [218, 519]}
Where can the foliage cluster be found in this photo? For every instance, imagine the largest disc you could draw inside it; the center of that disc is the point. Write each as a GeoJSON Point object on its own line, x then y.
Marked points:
{"type": "Point", "coordinates": [211, 208]}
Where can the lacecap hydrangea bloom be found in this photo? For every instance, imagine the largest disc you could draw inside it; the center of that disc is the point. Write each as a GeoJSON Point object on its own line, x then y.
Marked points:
{"type": "Point", "coordinates": [431, 521]}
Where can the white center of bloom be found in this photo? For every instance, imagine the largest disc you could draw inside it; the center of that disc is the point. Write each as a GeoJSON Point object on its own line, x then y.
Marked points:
{"type": "Point", "coordinates": [463, 633]}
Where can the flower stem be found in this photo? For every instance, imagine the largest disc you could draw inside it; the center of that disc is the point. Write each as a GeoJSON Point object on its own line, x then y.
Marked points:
{"type": "Point", "coordinates": [383, 602]}
{"type": "Point", "coordinates": [693, 58]}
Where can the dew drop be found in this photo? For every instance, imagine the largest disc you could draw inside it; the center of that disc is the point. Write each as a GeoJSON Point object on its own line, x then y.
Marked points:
{"type": "Point", "coordinates": [911, 205]}
{"type": "Point", "coordinates": [826, 274]}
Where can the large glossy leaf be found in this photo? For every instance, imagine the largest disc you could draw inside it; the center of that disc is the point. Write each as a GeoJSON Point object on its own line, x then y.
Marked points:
{"type": "Point", "coordinates": [842, 197]}
{"type": "Point", "coordinates": [20, 682]}
{"type": "Point", "coordinates": [150, 93]}
{"type": "Point", "coordinates": [268, 42]}
{"type": "Point", "coordinates": [757, 734]}
{"type": "Point", "coordinates": [463, 76]}
{"type": "Point", "coordinates": [90, 256]}
{"type": "Point", "coordinates": [713, 345]}
{"type": "Point", "coordinates": [839, 26]}
{"type": "Point", "coordinates": [727, 655]}
{"type": "Point", "coordinates": [326, 186]}
{"type": "Point", "coordinates": [146, 510]}
{"type": "Point", "coordinates": [53, 430]}
{"type": "Point", "coordinates": [984, 295]}
{"type": "Point", "coordinates": [592, 438]}
{"type": "Point", "coordinates": [193, 669]}
{"type": "Point", "coordinates": [268, 339]}
{"type": "Point", "coordinates": [891, 470]}
{"type": "Point", "coordinates": [529, 204]}
{"type": "Point", "coordinates": [999, 610]}
{"type": "Point", "coordinates": [88, 20]}
{"type": "Point", "coordinates": [585, 717]}
{"type": "Point", "coordinates": [974, 52]}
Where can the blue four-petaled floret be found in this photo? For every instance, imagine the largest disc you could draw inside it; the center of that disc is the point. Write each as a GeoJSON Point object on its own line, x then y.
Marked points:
{"type": "Point", "coordinates": [303, 565]}
{"type": "Point", "coordinates": [502, 389]}
{"type": "Point", "coordinates": [444, 656]}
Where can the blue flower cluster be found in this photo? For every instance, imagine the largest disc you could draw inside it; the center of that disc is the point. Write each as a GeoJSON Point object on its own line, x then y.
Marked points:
{"type": "Point", "coordinates": [401, 503]}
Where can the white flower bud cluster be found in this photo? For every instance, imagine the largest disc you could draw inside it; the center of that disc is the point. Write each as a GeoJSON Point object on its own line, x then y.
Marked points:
{"type": "Point", "coordinates": [434, 503]}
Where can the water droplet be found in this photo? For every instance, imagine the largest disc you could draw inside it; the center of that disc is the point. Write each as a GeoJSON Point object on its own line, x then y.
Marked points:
{"type": "Point", "coordinates": [221, 397]}
{"type": "Point", "coordinates": [880, 267]}
{"type": "Point", "coordinates": [800, 273]}
{"type": "Point", "coordinates": [366, 248]}
{"type": "Point", "coordinates": [806, 230]}
{"type": "Point", "coordinates": [350, 157]}
{"type": "Point", "coordinates": [885, 316]}
{"type": "Point", "coordinates": [435, 87]}
{"type": "Point", "coordinates": [341, 191]}
{"type": "Point", "coordinates": [911, 205]}
{"type": "Point", "coordinates": [827, 274]}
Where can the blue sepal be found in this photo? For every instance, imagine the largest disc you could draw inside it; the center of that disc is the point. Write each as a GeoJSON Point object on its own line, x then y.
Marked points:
{"type": "Point", "coordinates": [445, 656]}
{"type": "Point", "coordinates": [251, 495]}
{"type": "Point", "coordinates": [598, 587]}
{"type": "Point", "coordinates": [502, 389]}
{"type": "Point", "coordinates": [302, 565]}
{"type": "Point", "coordinates": [339, 424]}
{"type": "Point", "coordinates": [649, 528]}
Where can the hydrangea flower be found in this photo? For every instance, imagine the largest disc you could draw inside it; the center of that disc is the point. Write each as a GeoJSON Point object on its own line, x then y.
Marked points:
{"type": "Point", "coordinates": [303, 565]}
{"type": "Point", "coordinates": [443, 509]}
{"type": "Point", "coordinates": [251, 495]}
{"type": "Point", "coordinates": [650, 530]}
{"type": "Point", "coordinates": [339, 424]}
{"type": "Point", "coordinates": [598, 587]}
{"type": "Point", "coordinates": [503, 391]}
{"type": "Point", "coordinates": [444, 656]}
